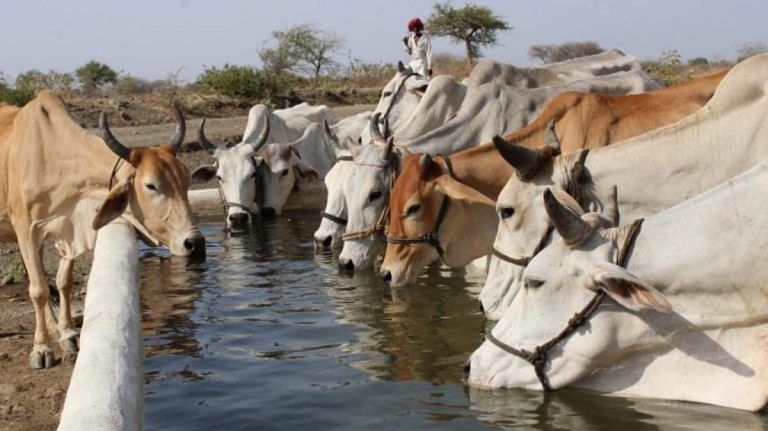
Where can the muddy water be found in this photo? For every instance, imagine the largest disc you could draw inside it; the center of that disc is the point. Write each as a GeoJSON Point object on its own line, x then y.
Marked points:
{"type": "Point", "coordinates": [267, 335]}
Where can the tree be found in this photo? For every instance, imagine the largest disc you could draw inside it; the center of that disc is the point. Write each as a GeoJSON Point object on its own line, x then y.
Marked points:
{"type": "Point", "coordinates": [93, 75]}
{"type": "Point", "coordinates": [36, 80]}
{"type": "Point", "coordinates": [474, 26]}
{"type": "Point", "coordinates": [749, 49]}
{"type": "Point", "coordinates": [303, 49]}
{"type": "Point", "coordinates": [565, 51]}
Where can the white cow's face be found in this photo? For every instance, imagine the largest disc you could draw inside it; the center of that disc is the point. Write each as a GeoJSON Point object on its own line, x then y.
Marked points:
{"type": "Point", "coordinates": [366, 192]}
{"type": "Point", "coordinates": [328, 235]}
{"type": "Point", "coordinates": [559, 282]}
{"type": "Point", "coordinates": [235, 170]}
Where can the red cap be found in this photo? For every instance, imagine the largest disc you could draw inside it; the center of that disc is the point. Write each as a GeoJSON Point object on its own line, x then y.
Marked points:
{"type": "Point", "coordinates": [415, 24]}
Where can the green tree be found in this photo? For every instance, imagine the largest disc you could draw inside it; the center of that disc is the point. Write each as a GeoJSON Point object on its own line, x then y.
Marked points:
{"type": "Point", "coordinates": [36, 80]}
{"type": "Point", "coordinates": [474, 26]}
{"type": "Point", "coordinates": [302, 49]}
{"type": "Point", "coordinates": [93, 75]}
{"type": "Point", "coordinates": [565, 51]}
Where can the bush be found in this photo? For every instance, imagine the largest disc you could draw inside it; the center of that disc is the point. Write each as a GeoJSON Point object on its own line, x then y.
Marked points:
{"type": "Point", "coordinates": [247, 82]}
{"type": "Point", "coordinates": [698, 61]}
{"type": "Point", "coordinates": [667, 68]}
{"type": "Point", "coordinates": [128, 84]}
{"type": "Point", "coordinates": [36, 80]}
{"type": "Point", "coordinates": [93, 75]}
{"type": "Point", "coordinates": [368, 74]}
{"type": "Point", "coordinates": [14, 96]}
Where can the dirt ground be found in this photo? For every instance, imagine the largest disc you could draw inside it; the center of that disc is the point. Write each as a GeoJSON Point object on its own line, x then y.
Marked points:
{"type": "Point", "coordinates": [32, 399]}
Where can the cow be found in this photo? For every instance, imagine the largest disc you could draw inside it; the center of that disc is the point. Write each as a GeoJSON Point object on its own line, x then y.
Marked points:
{"type": "Point", "coordinates": [675, 309]}
{"type": "Point", "coordinates": [486, 111]}
{"type": "Point", "coordinates": [62, 183]}
{"type": "Point", "coordinates": [235, 168]}
{"type": "Point", "coordinates": [653, 171]}
{"type": "Point", "coordinates": [571, 121]}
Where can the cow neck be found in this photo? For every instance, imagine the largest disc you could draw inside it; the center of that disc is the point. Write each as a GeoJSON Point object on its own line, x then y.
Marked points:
{"type": "Point", "coordinates": [540, 354]}
{"type": "Point", "coordinates": [398, 90]}
{"type": "Point", "coordinates": [432, 238]}
{"type": "Point", "coordinates": [482, 168]}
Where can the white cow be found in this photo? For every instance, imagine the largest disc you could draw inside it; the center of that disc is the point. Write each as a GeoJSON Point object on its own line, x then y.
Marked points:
{"type": "Point", "coordinates": [686, 320]}
{"type": "Point", "coordinates": [236, 168]}
{"type": "Point", "coordinates": [653, 171]}
{"type": "Point", "coordinates": [486, 111]}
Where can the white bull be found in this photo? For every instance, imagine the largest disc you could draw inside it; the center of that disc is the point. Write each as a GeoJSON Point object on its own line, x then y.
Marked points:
{"type": "Point", "coordinates": [236, 168]}
{"type": "Point", "coordinates": [653, 171]}
{"type": "Point", "coordinates": [686, 320]}
{"type": "Point", "coordinates": [486, 111]}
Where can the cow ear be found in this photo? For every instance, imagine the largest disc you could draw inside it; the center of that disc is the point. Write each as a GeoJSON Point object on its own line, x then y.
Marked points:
{"type": "Point", "coordinates": [628, 290]}
{"type": "Point", "coordinates": [461, 192]}
{"type": "Point", "coordinates": [114, 205]}
{"type": "Point", "coordinates": [203, 174]}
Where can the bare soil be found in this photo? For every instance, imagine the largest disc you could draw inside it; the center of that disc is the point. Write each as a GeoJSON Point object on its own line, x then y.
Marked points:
{"type": "Point", "coordinates": [32, 399]}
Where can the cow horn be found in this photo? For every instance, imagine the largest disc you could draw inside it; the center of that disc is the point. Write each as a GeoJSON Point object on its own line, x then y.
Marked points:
{"type": "Point", "coordinates": [611, 208]}
{"type": "Point", "coordinates": [181, 129]}
{"type": "Point", "coordinates": [387, 132]}
{"type": "Point", "coordinates": [263, 137]}
{"type": "Point", "coordinates": [375, 132]}
{"type": "Point", "coordinates": [400, 67]}
{"type": "Point", "coordinates": [119, 149]}
{"type": "Point", "coordinates": [550, 139]}
{"type": "Point", "coordinates": [524, 160]}
{"type": "Point", "coordinates": [207, 145]}
{"type": "Point", "coordinates": [390, 146]}
{"type": "Point", "coordinates": [567, 223]}
{"type": "Point", "coordinates": [331, 135]}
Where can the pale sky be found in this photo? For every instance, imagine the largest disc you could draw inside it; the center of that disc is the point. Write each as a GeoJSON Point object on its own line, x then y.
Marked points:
{"type": "Point", "coordinates": [150, 38]}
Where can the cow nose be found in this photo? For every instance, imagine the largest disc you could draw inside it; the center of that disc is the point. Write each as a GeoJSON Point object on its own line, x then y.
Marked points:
{"type": "Point", "coordinates": [467, 367]}
{"type": "Point", "coordinates": [348, 265]}
{"type": "Point", "coordinates": [386, 276]}
{"type": "Point", "coordinates": [195, 245]}
{"type": "Point", "coordinates": [482, 309]}
{"type": "Point", "coordinates": [268, 212]}
{"type": "Point", "coordinates": [327, 241]}
{"type": "Point", "coordinates": [238, 219]}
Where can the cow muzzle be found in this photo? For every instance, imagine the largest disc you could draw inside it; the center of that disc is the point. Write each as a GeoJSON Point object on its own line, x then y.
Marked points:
{"type": "Point", "coordinates": [194, 245]}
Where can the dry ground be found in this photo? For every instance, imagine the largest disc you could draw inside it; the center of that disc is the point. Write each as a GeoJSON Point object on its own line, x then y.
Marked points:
{"type": "Point", "coordinates": [31, 400]}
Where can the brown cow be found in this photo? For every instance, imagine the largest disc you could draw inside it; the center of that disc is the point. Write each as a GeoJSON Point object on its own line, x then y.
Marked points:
{"type": "Point", "coordinates": [55, 184]}
{"type": "Point", "coordinates": [571, 121]}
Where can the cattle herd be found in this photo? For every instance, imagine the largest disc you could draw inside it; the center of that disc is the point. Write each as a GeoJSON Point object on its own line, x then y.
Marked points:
{"type": "Point", "coordinates": [618, 220]}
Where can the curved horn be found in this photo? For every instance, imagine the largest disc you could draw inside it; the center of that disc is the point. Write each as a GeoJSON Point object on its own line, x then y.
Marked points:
{"type": "Point", "coordinates": [568, 224]}
{"type": "Point", "coordinates": [263, 137]}
{"type": "Point", "coordinates": [524, 160]}
{"type": "Point", "coordinates": [181, 128]}
{"type": "Point", "coordinates": [550, 139]}
{"type": "Point", "coordinates": [207, 145]}
{"type": "Point", "coordinates": [375, 132]}
{"type": "Point", "coordinates": [387, 132]}
{"type": "Point", "coordinates": [400, 67]}
{"type": "Point", "coordinates": [119, 149]}
{"type": "Point", "coordinates": [611, 208]}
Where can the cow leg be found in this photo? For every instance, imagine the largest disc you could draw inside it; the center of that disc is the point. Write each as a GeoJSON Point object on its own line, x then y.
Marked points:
{"type": "Point", "coordinates": [42, 355]}
{"type": "Point", "coordinates": [67, 331]}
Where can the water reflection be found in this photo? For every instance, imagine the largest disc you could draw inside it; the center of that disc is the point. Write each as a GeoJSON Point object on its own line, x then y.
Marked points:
{"type": "Point", "coordinates": [266, 335]}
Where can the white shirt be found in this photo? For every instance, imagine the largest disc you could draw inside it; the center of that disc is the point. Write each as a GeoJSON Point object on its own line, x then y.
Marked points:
{"type": "Point", "coordinates": [421, 53]}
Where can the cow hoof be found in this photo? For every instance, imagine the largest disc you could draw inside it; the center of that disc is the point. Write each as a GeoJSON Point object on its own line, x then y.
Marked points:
{"type": "Point", "coordinates": [42, 358]}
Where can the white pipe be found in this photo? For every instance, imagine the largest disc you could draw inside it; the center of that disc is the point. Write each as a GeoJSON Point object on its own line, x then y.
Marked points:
{"type": "Point", "coordinates": [106, 390]}
{"type": "Point", "coordinates": [311, 195]}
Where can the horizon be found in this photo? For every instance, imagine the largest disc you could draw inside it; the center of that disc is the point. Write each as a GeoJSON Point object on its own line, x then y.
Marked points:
{"type": "Point", "coordinates": [153, 40]}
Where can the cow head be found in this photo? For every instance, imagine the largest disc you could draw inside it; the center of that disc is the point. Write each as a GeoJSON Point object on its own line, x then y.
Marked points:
{"type": "Point", "coordinates": [284, 164]}
{"type": "Point", "coordinates": [236, 171]}
{"type": "Point", "coordinates": [557, 283]}
{"type": "Point", "coordinates": [366, 192]}
{"type": "Point", "coordinates": [154, 192]}
{"type": "Point", "coordinates": [415, 202]}
{"type": "Point", "coordinates": [523, 224]}
{"type": "Point", "coordinates": [400, 96]}
{"type": "Point", "coordinates": [328, 235]}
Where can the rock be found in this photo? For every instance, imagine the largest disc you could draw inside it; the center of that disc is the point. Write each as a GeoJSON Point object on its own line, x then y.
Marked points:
{"type": "Point", "coordinates": [56, 397]}
{"type": "Point", "coordinates": [6, 280]}
{"type": "Point", "coordinates": [8, 389]}
{"type": "Point", "coordinates": [4, 356]}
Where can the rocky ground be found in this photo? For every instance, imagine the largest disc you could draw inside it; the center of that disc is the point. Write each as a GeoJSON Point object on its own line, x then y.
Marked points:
{"type": "Point", "coordinates": [32, 400]}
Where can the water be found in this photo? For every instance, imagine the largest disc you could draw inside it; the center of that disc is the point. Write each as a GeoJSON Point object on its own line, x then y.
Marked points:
{"type": "Point", "coordinates": [267, 335]}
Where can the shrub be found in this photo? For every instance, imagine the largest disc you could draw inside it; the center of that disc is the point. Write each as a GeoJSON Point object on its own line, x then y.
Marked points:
{"type": "Point", "coordinates": [93, 75]}
{"type": "Point", "coordinates": [667, 68]}
{"type": "Point", "coordinates": [368, 74]}
{"type": "Point", "coordinates": [698, 61]}
{"type": "Point", "coordinates": [14, 96]}
{"type": "Point", "coordinates": [36, 80]}
{"type": "Point", "coordinates": [235, 81]}
{"type": "Point", "coordinates": [129, 84]}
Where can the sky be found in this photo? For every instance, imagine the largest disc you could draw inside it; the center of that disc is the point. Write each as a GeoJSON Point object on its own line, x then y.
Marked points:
{"type": "Point", "coordinates": [152, 38]}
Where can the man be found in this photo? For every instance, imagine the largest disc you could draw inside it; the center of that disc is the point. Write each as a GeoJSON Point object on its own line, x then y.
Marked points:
{"type": "Point", "coordinates": [418, 47]}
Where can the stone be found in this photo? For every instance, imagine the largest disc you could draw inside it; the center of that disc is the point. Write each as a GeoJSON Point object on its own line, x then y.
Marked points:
{"type": "Point", "coordinates": [6, 280]}
{"type": "Point", "coordinates": [4, 356]}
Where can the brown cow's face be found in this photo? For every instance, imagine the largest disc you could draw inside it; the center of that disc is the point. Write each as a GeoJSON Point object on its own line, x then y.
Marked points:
{"type": "Point", "coordinates": [159, 200]}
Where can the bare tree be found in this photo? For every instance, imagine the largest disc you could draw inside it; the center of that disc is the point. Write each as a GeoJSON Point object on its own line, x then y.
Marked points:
{"type": "Point", "coordinates": [565, 51]}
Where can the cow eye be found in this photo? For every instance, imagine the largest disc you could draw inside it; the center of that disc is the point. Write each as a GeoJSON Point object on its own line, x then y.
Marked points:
{"type": "Point", "coordinates": [374, 195]}
{"type": "Point", "coordinates": [151, 186]}
{"type": "Point", "coordinates": [284, 172]}
{"type": "Point", "coordinates": [386, 93]}
{"type": "Point", "coordinates": [219, 177]}
{"type": "Point", "coordinates": [506, 212]}
{"type": "Point", "coordinates": [532, 283]}
{"type": "Point", "coordinates": [413, 209]}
